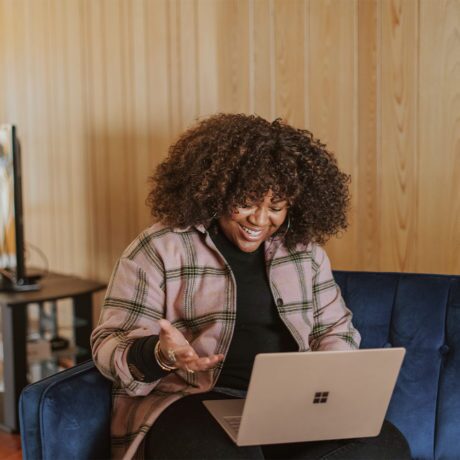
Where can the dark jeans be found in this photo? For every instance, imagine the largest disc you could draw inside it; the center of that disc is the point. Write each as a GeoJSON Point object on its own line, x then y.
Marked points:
{"type": "Point", "coordinates": [186, 430]}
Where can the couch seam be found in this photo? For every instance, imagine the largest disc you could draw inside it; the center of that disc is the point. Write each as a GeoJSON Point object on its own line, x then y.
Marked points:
{"type": "Point", "coordinates": [449, 299]}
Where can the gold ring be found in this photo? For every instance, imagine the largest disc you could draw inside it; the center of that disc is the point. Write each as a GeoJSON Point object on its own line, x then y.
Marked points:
{"type": "Point", "coordinates": [171, 355]}
{"type": "Point", "coordinates": [189, 371]}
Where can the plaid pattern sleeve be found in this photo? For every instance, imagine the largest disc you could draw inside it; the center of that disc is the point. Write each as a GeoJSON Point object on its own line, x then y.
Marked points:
{"type": "Point", "coordinates": [133, 301]}
{"type": "Point", "coordinates": [332, 327]}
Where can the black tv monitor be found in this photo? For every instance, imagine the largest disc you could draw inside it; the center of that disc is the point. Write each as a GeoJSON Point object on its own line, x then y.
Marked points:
{"type": "Point", "coordinates": [13, 276]}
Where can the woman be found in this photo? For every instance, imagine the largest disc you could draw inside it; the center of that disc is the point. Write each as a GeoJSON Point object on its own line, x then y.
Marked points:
{"type": "Point", "coordinates": [233, 268]}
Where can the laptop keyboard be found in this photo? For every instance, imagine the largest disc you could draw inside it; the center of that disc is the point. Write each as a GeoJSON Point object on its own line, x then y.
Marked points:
{"type": "Point", "coordinates": [233, 421]}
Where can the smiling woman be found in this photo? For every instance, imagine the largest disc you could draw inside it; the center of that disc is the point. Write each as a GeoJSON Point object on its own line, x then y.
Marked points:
{"type": "Point", "coordinates": [248, 226]}
{"type": "Point", "coordinates": [232, 268]}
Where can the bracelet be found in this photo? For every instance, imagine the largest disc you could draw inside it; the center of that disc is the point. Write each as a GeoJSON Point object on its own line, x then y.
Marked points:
{"type": "Point", "coordinates": [161, 360]}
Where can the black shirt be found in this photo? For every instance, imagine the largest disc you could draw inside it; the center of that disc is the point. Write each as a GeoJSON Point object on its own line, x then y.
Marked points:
{"type": "Point", "coordinates": [258, 327]}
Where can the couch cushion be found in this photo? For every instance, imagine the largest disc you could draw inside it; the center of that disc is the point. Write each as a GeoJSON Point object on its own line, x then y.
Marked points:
{"type": "Point", "coordinates": [418, 324]}
{"type": "Point", "coordinates": [408, 310]}
{"type": "Point", "coordinates": [71, 411]}
{"type": "Point", "coordinates": [448, 420]}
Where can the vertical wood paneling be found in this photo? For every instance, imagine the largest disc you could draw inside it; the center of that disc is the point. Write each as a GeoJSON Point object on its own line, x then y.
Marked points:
{"type": "Point", "coordinates": [439, 136]}
{"type": "Point", "coordinates": [306, 62]}
{"type": "Point", "coordinates": [398, 160]}
{"type": "Point", "coordinates": [53, 125]}
{"type": "Point", "coordinates": [127, 142]}
{"type": "Point", "coordinates": [289, 35]}
{"type": "Point", "coordinates": [85, 201]}
{"type": "Point", "coordinates": [333, 99]}
{"type": "Point", "coordinates": [74, 140]}
{"type": "Point", "coordinates": [56, 53]}
{"type": "Point", "coordinates": [100, 169]}
{"type": "Point", "coordinates": [173, 9]}
{"type": "Point", "coordinates": [37, 145]}
{"type": "Point", "coordinates": [189, 73]}
{"type": "Point", "coordinates": [3, 51]}
{"type": "Point", "coordinates": [99, 90]}
{"type": "Point", "coordinates": [139, 149]}
{"type": "Point", "coordinates": [157, 84]}
{"type": "Point", "coordinates": [117, 161]}
{"type": "Point", "coordinates": [261, 88]}
{"type": "Point", "coordinates": [207, 25]}
{"type": "Point", "coordinates": [367, 198]}
{"type": "Point", "coordinates": [233, 56]}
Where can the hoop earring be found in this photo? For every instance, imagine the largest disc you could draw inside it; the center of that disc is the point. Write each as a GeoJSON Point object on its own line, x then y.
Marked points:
{"type": "Point", "coordinates": [288, 226]}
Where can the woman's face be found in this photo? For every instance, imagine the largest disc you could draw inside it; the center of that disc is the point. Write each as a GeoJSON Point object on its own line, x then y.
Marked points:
{"type": "Point", "coordinates": [250, 225]}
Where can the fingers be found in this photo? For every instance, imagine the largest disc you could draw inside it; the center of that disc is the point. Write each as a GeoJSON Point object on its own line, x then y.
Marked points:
{"type": "Point", "coordinates": [186, 353]}
{"type": "Point", "coordinates": [202, 364]}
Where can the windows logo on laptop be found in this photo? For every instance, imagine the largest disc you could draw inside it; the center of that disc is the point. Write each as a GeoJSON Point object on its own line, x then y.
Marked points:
{"type": "Point", "coordinates": [321, 397]}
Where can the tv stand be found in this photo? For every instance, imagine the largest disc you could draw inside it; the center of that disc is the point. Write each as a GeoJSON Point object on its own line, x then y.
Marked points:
{"type": "Point", "coordinates": [15, 325]}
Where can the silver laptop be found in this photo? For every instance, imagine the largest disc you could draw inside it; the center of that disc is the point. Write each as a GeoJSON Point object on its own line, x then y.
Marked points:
{"type": "Point", "coordinates": [312, 396]}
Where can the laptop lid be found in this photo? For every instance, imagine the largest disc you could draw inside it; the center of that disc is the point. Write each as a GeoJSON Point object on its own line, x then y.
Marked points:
{"type": "Point", "coordinates": [296, 397]}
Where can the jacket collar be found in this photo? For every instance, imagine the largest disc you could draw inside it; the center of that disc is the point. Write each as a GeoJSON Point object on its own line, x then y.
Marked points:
{"type": "Point", "coordinates": [200, 227]}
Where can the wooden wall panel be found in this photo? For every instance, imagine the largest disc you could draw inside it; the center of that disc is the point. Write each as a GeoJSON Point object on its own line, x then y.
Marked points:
{"type": "Point", "coordinates": [289, 34]}
{"type": "Point", "coordinates": [100, 89]}
{"type": "Point", "coordinates": [233, 56]}
{"type": "Point", "coordinates": [189, 67]}
{"type": "Point", "coordinates": [72, 140]}
{"type": "Point", "coordinates": [141, 97]}
{"type": "Point", "coordinates": [99, 166]}
{"type": "Point", "coordinates": [262, 68]}
{"type": "Point", "coordinates": [333, 101]}
{"type": "Point", "coordinates": [398, 123]}
{"type": "Point", "coordinates": [208, 52]}
{"type": "Point", "coordinates": [367, 197]}
{"type": "Point", "coordinates": [439, 137]}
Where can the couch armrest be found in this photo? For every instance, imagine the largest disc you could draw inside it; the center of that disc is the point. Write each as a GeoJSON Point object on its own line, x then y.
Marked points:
{"type": "Point", "coordinates": [71, 410]}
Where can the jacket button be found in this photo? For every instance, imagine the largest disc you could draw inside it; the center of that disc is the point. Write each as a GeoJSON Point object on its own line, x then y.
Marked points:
{"type": "Point", "coordinates": [280, 302]}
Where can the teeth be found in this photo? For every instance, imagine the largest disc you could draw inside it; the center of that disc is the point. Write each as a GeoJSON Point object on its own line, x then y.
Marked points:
{"type": "Point", "coordinates": [251, 232]}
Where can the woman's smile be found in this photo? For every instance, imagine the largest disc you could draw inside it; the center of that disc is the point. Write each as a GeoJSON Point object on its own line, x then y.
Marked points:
{"type": "Point", "coordinates": [251, 232]}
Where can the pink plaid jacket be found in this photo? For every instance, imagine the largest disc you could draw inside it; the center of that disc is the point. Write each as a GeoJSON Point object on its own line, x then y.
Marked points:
{"type": "Point", "coordinates": [179, 274]}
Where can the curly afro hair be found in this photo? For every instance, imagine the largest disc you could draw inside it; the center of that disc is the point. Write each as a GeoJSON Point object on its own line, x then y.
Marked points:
{"type": "Point", "coordinates": [229, 159]}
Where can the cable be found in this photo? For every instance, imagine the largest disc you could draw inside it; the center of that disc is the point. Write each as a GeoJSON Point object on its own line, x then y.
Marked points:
{"type": "Point", "coordinates": [41, 254]}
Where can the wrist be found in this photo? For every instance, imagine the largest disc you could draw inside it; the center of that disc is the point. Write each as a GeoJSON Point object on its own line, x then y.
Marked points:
{"type": "Point", "coordinates": [161, 360]}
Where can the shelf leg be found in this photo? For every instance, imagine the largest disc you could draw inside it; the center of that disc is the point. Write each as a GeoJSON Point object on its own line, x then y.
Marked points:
{"type": "Point", "coordinates": [54, 319]}
{"type": "Point", "coordinates": [83, 309]}
{"type": "Point", "coordinates": [41, 320]}
{"type": "Point", "coordinates": [14, 324]}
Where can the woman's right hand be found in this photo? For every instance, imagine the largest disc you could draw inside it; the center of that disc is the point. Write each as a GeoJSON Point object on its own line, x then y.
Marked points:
{"type": "Point", "coordinates": [171, 339]}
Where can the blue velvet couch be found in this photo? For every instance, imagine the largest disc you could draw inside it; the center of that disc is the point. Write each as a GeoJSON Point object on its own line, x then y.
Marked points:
{"type": "Point", "coordinates": [67, 415]}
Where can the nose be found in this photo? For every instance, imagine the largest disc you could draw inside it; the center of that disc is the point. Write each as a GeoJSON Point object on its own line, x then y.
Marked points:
{"type": "Point", "coordinates": [259, 217]}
